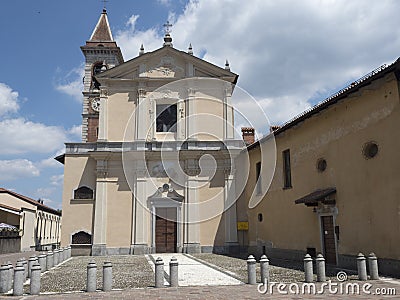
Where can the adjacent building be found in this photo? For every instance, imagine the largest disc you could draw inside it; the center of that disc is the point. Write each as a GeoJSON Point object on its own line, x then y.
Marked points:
{"type": "Point", "coordinates": [39, 225]}
{"type": "Point", "coordinates": [336, 187]}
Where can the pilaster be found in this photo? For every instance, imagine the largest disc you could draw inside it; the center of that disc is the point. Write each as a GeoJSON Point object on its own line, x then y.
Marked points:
{"type": "Point", "coordinates": [192, 244]}
{"type": "Point", "coordinates": [141, 115]}
{"type": "Point", "coordinates": [100, 213]}
{"type": "Point", "coordinates": [191, 115]}
{"type": "Point", "coordinates": [140, 230]}
{"type": "Point", "coordinates": [229, 130]}
{"type": "Point", "coordinates": [230, 218]}
{"type": "Point", "coordinates": [103, 116]}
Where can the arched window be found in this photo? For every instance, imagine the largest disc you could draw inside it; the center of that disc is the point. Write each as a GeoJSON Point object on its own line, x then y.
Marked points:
{"type": "Point", "coordinates": [83, 192]}
{"type": "Point", "coordinates": [82, 237]}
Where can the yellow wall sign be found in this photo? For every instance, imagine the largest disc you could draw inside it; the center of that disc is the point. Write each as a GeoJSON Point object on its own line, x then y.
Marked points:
{"type": "Point", "coordinates": [242, 225]}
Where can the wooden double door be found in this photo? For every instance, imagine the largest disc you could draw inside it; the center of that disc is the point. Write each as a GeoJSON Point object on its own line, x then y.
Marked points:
{"type": "Point", "coordinates": [166, 230]}
{"type": "Point", "coordinates": [329, 239]}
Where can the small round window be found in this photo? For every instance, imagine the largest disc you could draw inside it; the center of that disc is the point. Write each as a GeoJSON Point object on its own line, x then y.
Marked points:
{"type": "Point", "coordinates": [260, 217]}
{"type": "Point", "coordinates": [321, 165]}
{"type": "Point", "coordinates": [370, 150]}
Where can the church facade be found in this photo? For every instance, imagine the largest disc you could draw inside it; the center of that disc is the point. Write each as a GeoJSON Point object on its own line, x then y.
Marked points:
{"type": "Point", "coordinates": [155, 169]}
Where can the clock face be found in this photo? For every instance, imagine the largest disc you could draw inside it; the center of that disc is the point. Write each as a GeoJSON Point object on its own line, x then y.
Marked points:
{"type": "Point", "coordinates": [96, 104]}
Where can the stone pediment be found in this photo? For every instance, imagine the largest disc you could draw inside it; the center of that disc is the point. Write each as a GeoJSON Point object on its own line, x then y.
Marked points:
{"type": "Point", "coordinates": [166, 191]}
{"type": "Point", "coordinates": [168, 63]}
{"type": "Point", "coordinates": [167, 67]}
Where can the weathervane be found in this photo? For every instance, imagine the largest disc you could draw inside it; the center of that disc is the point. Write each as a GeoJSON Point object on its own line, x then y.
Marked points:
{"type": "Point", "coordinates": [104, 3]}
{"type": "Point", "coordinates": [167, 27]}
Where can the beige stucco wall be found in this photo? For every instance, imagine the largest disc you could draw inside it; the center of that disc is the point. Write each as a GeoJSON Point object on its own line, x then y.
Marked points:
{"type": "Point", "coordinates": [28, 233]}
{"type": "Point", "coordinates": [120, 107]}
{"type": "Point", "coordinates": [14, 202]}
{"type": "Point", "coordinates": [367, 189]}
{"type": "Point", "coordinates": [30, 224]}
{"type": "Point", "coordinates": [211, 206]}
{"type": "Point", "coordinates": [119, 207]}
{"type": "Point", "coordinates": [77, 214]}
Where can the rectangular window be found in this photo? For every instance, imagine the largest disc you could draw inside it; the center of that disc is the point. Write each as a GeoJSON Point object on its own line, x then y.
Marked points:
{"type": "Point", "coordinates": [166, 118]}
{"type": "Point", "coordinates": [287, 177]}
{"type": "Point", "coordinates": [258, 178]}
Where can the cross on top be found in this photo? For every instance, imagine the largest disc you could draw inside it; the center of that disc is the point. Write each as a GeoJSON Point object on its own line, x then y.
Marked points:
{"type": "Point", "coordinates": [104, 3]}
{"type": "Point", "coordinates": [167, 27]}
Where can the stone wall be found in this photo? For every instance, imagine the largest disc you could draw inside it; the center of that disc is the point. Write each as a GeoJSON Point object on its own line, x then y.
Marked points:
{"type": "Point", "coordinates": [10, 244]}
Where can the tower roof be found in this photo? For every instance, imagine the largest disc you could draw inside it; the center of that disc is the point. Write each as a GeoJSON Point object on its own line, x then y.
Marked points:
{"type": "Point", "coordinates": [101, 41]}
{"type": "Point", "coordinates": [102, 31]}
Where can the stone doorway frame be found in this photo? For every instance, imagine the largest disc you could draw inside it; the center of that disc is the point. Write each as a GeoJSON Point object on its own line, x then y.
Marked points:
{"type": "Point", "coordinates": [328, 211]}
{"type": "Point", "coordinates": [166, 202]}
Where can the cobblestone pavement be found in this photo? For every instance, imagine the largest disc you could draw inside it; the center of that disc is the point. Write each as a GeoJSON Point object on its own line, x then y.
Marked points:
{"type": "Point", "coordinates": [129, 271]}
{"type": "Point", "coordinates": [133, 278]}
{"type": "Point", "coordinates": [13, 257]}
{"type": "Point", "coordinates": [244, 291]}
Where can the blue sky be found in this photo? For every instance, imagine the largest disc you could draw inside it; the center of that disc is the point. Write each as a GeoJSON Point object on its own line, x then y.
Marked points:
{"type": "Point", "coordinates": [289, 56]}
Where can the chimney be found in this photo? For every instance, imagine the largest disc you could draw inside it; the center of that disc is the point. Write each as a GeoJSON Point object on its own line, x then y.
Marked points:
{"type": "Point", "coordinates": [273, 128]}
{"type": "Point", "coordinates": [248, 135]}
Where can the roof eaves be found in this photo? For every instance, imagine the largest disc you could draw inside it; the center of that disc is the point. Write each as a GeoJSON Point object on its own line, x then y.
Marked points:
{"type": "Point", "coordinates": [341, 94]}
{"type": "Point", "coordinates": [31, 201]}
{"type": "Point", "coordinates": [146, 55]}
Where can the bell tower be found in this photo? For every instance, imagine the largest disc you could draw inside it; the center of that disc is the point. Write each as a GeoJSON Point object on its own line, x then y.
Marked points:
{"type": "Point", "coordinates": [101, 53]}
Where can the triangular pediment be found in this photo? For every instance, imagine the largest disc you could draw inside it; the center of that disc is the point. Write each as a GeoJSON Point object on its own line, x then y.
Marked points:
{"type": "Point", "coordinates": [166, 63]}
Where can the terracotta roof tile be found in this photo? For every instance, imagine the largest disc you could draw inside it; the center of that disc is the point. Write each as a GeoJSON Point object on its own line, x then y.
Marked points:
{"type": "Point", "coordinates": [31, 201]}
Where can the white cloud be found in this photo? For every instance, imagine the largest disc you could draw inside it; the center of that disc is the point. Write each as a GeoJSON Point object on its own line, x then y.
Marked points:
{"type": "Point", "coordinates": [285, 52]}
{"type": "Point", "coordinates": [72, 83]}
{"type": "Point", "coordinates": [57, 180]}
{"type": "Point", "coordinates": [50, 162]}
{"type": "Point", "coordinates": [51, 203]}
{"type": "Point", "coordinates": [8, 100]}
{"type": "Point", "coordinates": [21, 136]}
{"type": "Point", "coordinates": [130, 39]}
{"type": "Point", "coordinates": [17, 168]}
{"type": "Point", "coordinates": [164, 2]}
{"type": "Point", "coordinates": [132, 22]}
{"type": "Point", "coordinates": [75, 131]}
{"type": "Point", "coordinates": [44, 192]}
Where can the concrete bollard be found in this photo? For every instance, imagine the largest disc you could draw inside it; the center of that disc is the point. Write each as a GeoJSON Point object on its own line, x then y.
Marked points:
{"type": "Point", "coordinates": [60, 256]}
{"type": "Point", "coordinates": [251, 270]}
{"type": "Point", "coordinates": [308, 268]}
{"type": "Point", "coordinates": [91, 277]}
{"type": "Point", "coordinates": [10, 275]}
{"type": "Point", "coordinates": [49, 260]}
{"type": "Point", "coordinates": [321, 276]}
{"type": "Point", "coordinates": [373, 266]}
{"type": "Point", "coordinates": [65, 253]}
{"type": "Point", "coordinates": [4, 274]}
{"type": "Point", "coordinates": [159, 273]}
{"type": "Point", "coordinates": [35, 279]}
{"type": "Point", "coordinates": [173, 272]}
{"type": "Point", "coordinates": [25, 265]}
{"type": "Point", "coordinates": [18, 287]}
{"type": "Point", "coordinates": [361, 267]}
{"type": "Point", "coordinates": [42, 262]}
{"type": "Point", "coordinates": [32, 260]}
{"type": "Point", "coordinates": [107, 276]}
{"type": "Point", "coordinates": [55, 257]}
{"type": "Point", "coordinates": [264, 267]}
